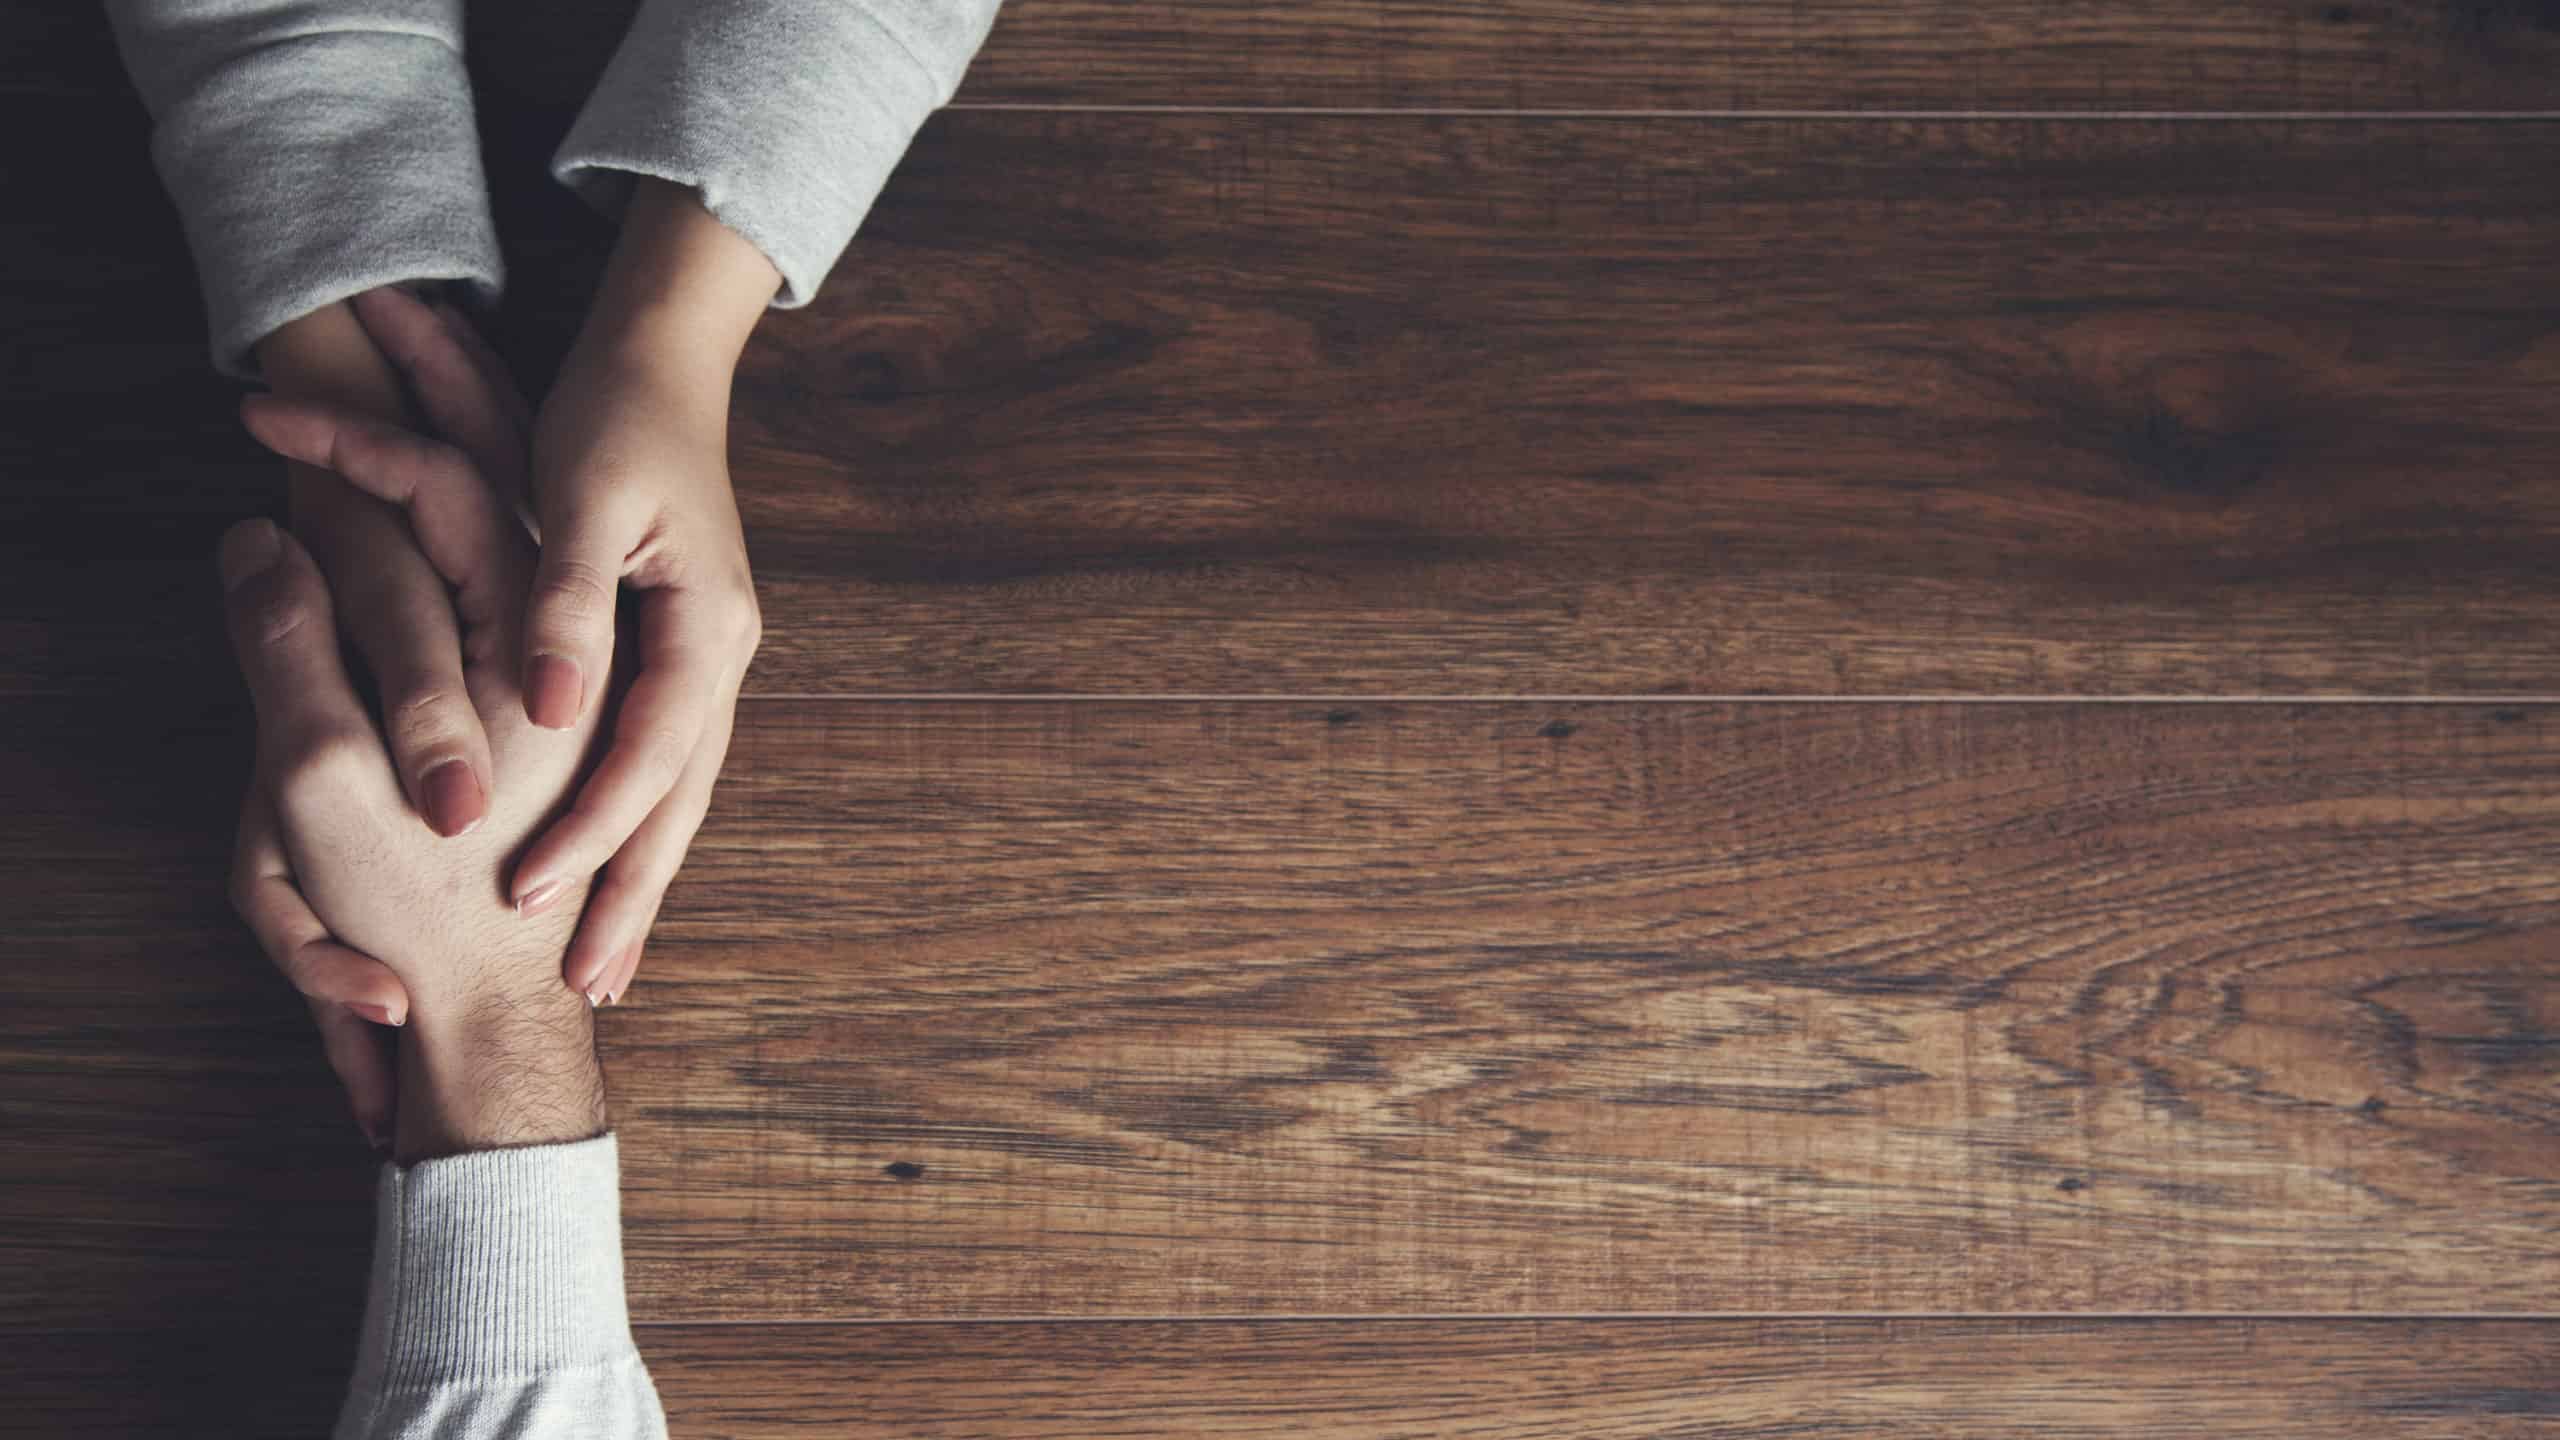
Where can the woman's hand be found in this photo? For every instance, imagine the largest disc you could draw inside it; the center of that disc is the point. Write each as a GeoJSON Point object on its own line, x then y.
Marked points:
{"type": "Point", "coordinates": [631, 485]}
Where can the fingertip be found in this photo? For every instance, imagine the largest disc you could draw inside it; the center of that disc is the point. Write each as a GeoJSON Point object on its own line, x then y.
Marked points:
{"type": "Point", "coordinates": [554, 691]}
{"type": "Point", "coordinates": [453, 798]}
{"type": "Point", "coordinates": [248, 550]}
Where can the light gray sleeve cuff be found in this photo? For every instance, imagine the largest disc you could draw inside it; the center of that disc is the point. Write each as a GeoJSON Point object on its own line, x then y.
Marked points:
{"type": "Point", "coordinates": [785, 116]}
{"type": "Point", "coordinates": [496, 1303]}
{"type": "Point", "coordinates": [314, 151]}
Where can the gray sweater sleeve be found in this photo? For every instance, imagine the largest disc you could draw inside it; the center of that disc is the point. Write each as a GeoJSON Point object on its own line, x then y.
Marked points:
{"type": "Point", "coordinates": [315, 149]}
{"type": "Point", "coordinates": [785, 116]}
{"type": "Point", "coordinates": [496, 1306]}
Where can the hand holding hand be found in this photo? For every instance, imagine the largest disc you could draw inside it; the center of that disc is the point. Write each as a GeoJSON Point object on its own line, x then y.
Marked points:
{"type": "Point", "coordinates": [631, 484]}
{"type": "Point", "coordinates": [480, 979]}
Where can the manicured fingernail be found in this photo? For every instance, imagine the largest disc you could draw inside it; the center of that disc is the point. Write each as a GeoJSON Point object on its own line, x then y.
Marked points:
{"type": "Point", "coordinates": [378, 1014]}
{"type": "Point", "coordinates": [248, 550]}
{"type": "Point", "coordinates": [553, 693]}
{"type": "Point", "coordinates": [613, 997]}
{"type": "Point", "coordinates": [592, 1002]}
{"type": "Point", "coordinates": [374, 1134]}
{"type": "Point", "coordinates": [539, 898]}
{"type": "Point", "coordinates": [455, 802]}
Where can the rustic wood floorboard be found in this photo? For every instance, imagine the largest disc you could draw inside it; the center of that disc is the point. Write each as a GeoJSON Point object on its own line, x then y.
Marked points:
{"type": "Point", "coordinates": [1095, 1009]}
{"type": "Point", "coordinates": [1402, 1380]}
{"type": "Point", "coordinates": [1316, 405]}
{"type": "Point", "coordinates": [2151, 55]}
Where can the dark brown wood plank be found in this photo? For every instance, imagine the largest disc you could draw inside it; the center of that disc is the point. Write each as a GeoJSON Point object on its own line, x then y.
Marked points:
{"type": "Point", "coordinates": [2260, 55]}
{"type": "Point", "coordinates": [1229, 405]}
{"type": "Point", "coordinates": [1374, 1380]}
{"type": "Point", "coordinates": [1320, 406]}
{"type": "Point", "coordinates": [1178, 1009]}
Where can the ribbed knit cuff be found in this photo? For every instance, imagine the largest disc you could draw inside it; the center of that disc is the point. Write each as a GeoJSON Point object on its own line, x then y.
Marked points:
{"type": "Point", "coordinates": [785, 118]}
{"type": "Point", "coordinates": [317, 167]}
{"type": "Point", "coordinates": [495, 1266]}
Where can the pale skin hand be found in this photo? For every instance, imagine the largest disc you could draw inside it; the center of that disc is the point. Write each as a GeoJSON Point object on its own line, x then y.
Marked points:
{"type": "Point", "coordinates": [496, 1051]}
{"type": "Point", "coordinates": [631, 486]}
{"type": "Point", "coordinates": [396, 613]}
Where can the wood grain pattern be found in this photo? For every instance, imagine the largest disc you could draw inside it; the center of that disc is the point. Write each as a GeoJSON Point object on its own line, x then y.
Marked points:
{"type": "Point", "coordinates": [2254, 55]}
{"type": "Point", "coordinates": [1388, 1380]}
{"type": "Point", "coordinates": [1579, 1380]}
{"type": "Point", "coordinates": [1315, 406]}
{"type": "Point", "coordinates": [1737, 55]}
{"type": "Point", "coordinates": [1125, 1009]}
{"type": "Point", "coordinates": [1304, 405]}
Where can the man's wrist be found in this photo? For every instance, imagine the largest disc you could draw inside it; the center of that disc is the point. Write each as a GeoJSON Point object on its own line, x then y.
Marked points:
{"type": "Point", "coordinates": [682, 291]}
{"type": "Point", "coordinates": [497, 1067]}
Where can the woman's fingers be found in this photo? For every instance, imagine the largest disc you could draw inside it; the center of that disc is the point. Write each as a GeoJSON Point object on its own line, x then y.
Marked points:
{"type": "Point", "coordinates": [689, 673]}
{"type": "Point", "coordinates": [397, 612]}
{"type": "Point", "coordinates": [465, 531]}
{"type": "Point", "coordinates": [493, 368]}
{"type": "Point", "coordinates": [568, 628]}
{"type": "Point", "coordinates": [466, 395]}
{"type": "Point", "coordinates": [606, 951]}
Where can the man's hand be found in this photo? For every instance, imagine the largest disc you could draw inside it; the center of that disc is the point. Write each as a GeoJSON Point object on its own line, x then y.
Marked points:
{"type": "Point", "coordinates": [401, 623]}
{"type": "Point", "coordinates": [631, 484]}
{"type": "Point", "coordinates": [496, 1052]}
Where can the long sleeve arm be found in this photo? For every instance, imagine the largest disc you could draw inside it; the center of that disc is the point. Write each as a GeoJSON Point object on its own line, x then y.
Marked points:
{"type": "Point", "coordinates": [785, 116]}
{"type": "Point", "coordinates": [314, 148]}
{"type": "Point", "coordinates": [496, 1308]}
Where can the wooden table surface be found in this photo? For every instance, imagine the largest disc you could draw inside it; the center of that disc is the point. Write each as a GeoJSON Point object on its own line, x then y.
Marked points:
{"type": "Point", "coordinates": [1675, 718]}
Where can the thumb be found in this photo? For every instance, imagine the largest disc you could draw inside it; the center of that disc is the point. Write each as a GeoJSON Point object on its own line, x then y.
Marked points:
{"type": "Point", "coordinates": [568, 623]}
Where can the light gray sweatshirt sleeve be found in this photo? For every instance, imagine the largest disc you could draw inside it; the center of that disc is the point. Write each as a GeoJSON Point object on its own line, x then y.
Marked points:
{"type": "Point", "coordinates": [496, 1307]}
{"type": "Point", "coordinates": [315, 149]}
{"type": "Point", "coordinates": [785, 116]}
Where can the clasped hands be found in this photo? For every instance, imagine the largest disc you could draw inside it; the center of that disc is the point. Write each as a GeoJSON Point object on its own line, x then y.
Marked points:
{"type": "Point", "coordinates": [482, 858]}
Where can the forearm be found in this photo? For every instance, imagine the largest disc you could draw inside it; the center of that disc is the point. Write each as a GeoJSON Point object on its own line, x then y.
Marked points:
{"type": "Point", "coordinates": [680, 296]}
{"type": "Point", "coordinates": [503, 1067]}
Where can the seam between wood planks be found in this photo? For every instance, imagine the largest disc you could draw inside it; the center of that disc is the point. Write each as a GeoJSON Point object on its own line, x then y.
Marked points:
{"type": "Point", "coordinates": [2324, 1317]}
{"type": "Point", "coordinates": [1339, 697]}
{"type": "Point", "coordinates": [1495, 112]}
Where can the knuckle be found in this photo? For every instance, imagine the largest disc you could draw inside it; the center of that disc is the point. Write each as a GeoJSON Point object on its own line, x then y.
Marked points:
{"type": "Point", "coordinates": [425, 713]}
{"type": "Point", "coordinates": [663, 753]}
{"type": "Point", "coordinates": [274, 609]}
{"type": "Point", "coordinates": [574, 592]}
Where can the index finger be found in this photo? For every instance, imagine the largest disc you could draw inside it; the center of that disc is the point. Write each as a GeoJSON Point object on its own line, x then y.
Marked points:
{"type": "Point", "coordinates": [663, 721]}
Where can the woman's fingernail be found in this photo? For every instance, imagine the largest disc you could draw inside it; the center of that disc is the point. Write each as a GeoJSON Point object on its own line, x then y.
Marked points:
{"type": "Point", "coordinates": [248, 550]}
{"type": "Point", "coordinates": [455, 802]}
{"type": "Point", "coordinates": [374, 1134]}
{"type": "Point", "coordinates": [553, 692]}
{"type": "Point", "coordinates": [378, 1014]}
{"type": "Point", "coordinates": [539, 898]}
{"type": "Point", "coordinates": [592, 1002]}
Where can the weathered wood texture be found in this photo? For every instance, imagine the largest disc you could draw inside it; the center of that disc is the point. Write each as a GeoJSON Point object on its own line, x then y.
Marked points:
{"type": "Point", "coordinates": [1125, 1009]}
{"type": "Point", "coordinates": [2177, 55]}
{"type": "Point", "coordinates": [1308, 405]}
{"type": "Point", "coordinates": [1390, 1380]}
